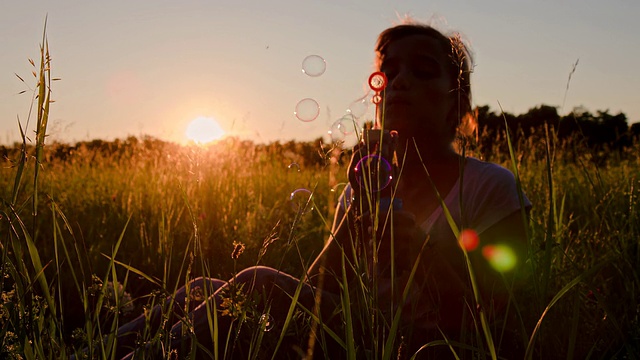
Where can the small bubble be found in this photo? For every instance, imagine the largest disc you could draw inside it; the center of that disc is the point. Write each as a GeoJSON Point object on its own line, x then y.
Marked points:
{"type": "Point", "coordinates": [359, 106]}
{"type": "Point", "coordinates": [339, 138]}
{"type": "Point", "coordinates": [337, 186]}
{"type": "Point", "coordinates": [314, 65]}
{"type": "Point", "coordinates": [345, 125]}
{"type": "Point", "coordinates": [373, 173]}
{"type": "Point", "coordinates": [301, 201]}
{"type": "Point", "coordinates": [294, 166]}
{"type": "Point", "coordinates": [267, 322]}
{"type": "Point", "coordinates": [341, 195]}
{"type": "Point", "coordinates": [307, 110]}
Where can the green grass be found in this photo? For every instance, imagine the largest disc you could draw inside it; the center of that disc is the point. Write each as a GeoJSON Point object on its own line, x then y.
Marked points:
{"type": "Point", "coordinates": [91, 240]}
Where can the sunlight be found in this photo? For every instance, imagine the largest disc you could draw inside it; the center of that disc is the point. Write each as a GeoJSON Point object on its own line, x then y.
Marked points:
{"type": "Point", "coordinates": [203, 130]}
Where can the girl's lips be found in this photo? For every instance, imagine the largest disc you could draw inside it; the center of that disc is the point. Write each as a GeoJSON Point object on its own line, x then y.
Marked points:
{"type": "Point", "coordinates": [397, 101]}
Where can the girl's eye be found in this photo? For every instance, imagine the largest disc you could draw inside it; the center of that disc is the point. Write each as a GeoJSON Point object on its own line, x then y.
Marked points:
{"type": "Point", "coordinates": [425, 73]}
{"type": "Point", "coordinates": [390, 74]}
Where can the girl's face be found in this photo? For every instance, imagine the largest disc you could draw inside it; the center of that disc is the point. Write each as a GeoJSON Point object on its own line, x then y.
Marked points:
{"type": "Point", "coordinates": [419, 101]}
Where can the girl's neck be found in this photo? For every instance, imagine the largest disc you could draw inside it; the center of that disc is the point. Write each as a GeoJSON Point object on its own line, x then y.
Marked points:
{"type": "Point", "coordinates": [435, 160]}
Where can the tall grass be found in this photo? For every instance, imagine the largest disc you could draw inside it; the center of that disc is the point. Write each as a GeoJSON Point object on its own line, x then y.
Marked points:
{"type": "Point", "coordinates": [93, 236]}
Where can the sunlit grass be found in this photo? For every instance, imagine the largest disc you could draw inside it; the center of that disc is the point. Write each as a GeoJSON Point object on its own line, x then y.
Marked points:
{"type": "Point", "coordinates": [93, 235]}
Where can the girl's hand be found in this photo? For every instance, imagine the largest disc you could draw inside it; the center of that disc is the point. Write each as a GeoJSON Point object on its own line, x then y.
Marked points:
{"type": "Point", "coordinates": [393, 228]}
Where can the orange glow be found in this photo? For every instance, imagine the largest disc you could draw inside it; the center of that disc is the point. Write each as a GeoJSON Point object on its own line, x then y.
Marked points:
{"type": "Point", "coordinates": [203, 130]}
{"type": "Point", "coordinates": [469, 239]}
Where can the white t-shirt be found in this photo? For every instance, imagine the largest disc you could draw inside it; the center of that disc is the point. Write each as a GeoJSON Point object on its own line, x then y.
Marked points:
{"type": "Point", "coordinates": [489, 194]}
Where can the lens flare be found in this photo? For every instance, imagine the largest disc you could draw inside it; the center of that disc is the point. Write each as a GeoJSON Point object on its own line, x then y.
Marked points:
{"type": "Point", "coordinates": [501, 257]}
{"type": "Point", "coordinates": [469, 239]}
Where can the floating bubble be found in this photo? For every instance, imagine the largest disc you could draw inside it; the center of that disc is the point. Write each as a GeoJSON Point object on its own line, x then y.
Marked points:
{"type": "Point", "coordinates": [307, 110]}
{"type": "Point", "coordinates": [339, 138]}
{"type": "Point", "coordinates": [345, 125]}
{"type": "Point", "coordinates": [338, 188]}
{"type": "Point", "coordinates": [373, 173]}
{"type": "Point", "coordinates": [360, 106]}
{"type": "Point", "coordinates": [314, 65]}
{"type": "Point", "coordinates": [301, 201]}
{"type": "Point", "coordinates": [469, 239]}
{"type": "Point", "coordinates": [267, 322]}
{"type": "Point", "coordinates": [378, 81]}
{"type": "Point", "coordinates": [294, 166]}
{"type": "Point", "coordinates": [501, 257]}
{"type": "Point", "coordinates": [342, 194]}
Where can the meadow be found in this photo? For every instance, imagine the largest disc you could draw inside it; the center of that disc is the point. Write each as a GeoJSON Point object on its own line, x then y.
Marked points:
{"type": "Point", "coordinates": [95, 234]}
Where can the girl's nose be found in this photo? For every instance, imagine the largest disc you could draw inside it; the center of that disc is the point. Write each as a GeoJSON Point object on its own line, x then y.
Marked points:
{"type": "Point", "coordinates": [401, 81]}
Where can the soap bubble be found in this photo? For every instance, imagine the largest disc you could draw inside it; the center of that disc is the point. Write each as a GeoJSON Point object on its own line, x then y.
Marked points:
{"type": "Point", "coordinates": [342, 194]}
{"type": "Point", "coordinates": [360, 106]}
{"type": "Point", "coordinates": [341, 139]}
{"type": "Point", "coordinates": [345, 125]}
{"type": "Point", "coordinates": [373, 173]}
{"type": "Point", "coordinates": [307, 110]}
{"type": "Point", "coordinates": [267, 322]}
{"type": "Point", "coordinates": [314, 65]}
{"type": "Point", "coordinates": [344, 131]}
{"type": "Point", "coordinates": [294, 166]}
{"type": "Point", "coordinates": [301, 201]}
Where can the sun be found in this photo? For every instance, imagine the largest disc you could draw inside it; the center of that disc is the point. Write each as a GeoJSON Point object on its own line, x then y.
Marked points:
{"type": "Point", "coordinates": [202, 130]}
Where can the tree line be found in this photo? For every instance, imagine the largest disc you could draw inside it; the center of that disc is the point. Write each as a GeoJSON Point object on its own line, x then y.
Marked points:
{"type": "Point", "coordinates": [602, 133]}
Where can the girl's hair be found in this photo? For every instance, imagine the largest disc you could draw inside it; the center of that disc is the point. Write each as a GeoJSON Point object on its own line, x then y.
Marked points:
{"type": "Point", "coordinates": [460, 67]}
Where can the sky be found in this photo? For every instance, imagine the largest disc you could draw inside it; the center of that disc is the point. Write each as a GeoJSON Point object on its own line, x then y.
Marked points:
{"type": "Point", "coordinates": [135, 68]}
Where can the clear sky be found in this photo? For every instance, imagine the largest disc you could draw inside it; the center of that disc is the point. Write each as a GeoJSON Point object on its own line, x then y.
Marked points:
{"type": "Point", "coordinates": [151, 67]}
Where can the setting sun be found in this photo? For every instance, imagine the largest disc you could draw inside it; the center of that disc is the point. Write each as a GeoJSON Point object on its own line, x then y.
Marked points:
{"type": "Point", "coordinates": [203, 130]}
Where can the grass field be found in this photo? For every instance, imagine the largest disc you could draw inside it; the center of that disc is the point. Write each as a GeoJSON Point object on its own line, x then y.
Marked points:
{"type": "Point", "coordinates": [94, 235]}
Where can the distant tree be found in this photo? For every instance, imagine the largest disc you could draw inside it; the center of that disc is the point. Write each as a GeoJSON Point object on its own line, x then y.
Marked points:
{"type": "Point", "coordinates": [539, 116]}
{"type": "Point", "coordinates": [634, 131]}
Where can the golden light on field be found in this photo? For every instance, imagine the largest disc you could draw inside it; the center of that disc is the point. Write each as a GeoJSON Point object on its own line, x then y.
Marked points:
{"type": "Point", "coordinates": [204, 129]}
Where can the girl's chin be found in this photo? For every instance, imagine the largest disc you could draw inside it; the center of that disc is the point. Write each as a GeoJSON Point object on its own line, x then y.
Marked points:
{"type": "Point", "coordinates": [402, 129]}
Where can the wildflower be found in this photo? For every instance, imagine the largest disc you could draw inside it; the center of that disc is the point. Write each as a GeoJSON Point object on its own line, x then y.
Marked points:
{"type": "Point", "coordinates": [238, 249]}
{"type": "Point", "coordinates": [124, 298]}
{"type": "Point", "coordinates": [196, 294]}
{"type": "Point", "coordinates": [96, 285]}
{"type": "Point", "coordinates": [234, 301]}
{"type": "Point", "coordinates": [273, 237]}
